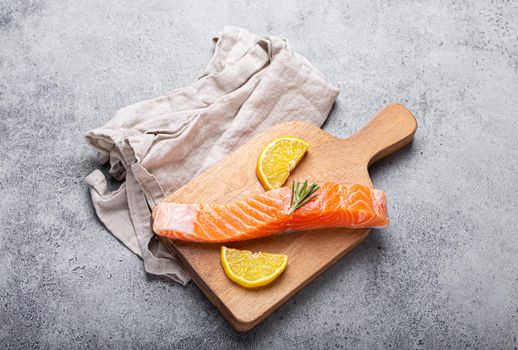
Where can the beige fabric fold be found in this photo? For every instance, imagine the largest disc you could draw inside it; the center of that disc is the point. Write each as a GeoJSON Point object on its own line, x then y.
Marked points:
{"type": "Point", "coordinates": [250, 84]}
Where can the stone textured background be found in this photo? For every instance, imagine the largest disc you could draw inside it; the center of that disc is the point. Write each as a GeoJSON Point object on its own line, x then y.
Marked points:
{"type": "Point", "coordinates": [444, 275]}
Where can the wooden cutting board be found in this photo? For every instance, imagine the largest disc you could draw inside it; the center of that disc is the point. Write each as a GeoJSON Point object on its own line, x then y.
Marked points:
{"type": "Point", "coordinates": [310, 252]}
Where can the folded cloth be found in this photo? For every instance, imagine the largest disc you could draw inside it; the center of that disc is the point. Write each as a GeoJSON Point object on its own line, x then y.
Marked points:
{"type": "Point", "coordinates": [156, 146]}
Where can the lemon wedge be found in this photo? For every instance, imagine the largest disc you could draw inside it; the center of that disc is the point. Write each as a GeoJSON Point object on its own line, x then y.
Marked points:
{"type": "Point", "coordinates": [252, 270]}
{"type": "Point", "coordinates": [278, 159]}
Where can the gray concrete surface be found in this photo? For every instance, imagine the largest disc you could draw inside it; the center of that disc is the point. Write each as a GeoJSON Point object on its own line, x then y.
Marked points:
{"type": "Point", "coordinates": [444, 275]}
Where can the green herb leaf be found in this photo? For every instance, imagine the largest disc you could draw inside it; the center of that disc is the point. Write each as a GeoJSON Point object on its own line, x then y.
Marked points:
{"type": "Point", "coordinates": [301, 197]}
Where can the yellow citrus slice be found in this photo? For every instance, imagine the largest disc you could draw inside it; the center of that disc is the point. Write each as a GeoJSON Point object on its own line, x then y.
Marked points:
{"type": "Point", "coordinates": [278, 159]}
{"type": "Point", "coordinates": [252, 270]}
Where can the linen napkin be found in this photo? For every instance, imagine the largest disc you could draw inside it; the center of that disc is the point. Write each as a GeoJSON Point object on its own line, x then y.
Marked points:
{"type": "Point", "coordinates": [250, 84]}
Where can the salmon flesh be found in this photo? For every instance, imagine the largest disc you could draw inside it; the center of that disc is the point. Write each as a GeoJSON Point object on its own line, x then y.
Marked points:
{"type": "Point", "coordinates": [266, 214]}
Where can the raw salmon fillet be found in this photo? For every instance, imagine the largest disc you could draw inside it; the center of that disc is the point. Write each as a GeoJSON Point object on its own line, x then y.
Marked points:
{"type": "Point", "coordinates": [265, 214]}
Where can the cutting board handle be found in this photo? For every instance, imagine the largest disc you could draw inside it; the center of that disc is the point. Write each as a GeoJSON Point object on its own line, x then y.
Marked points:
{"type": "Point", "coordinates": [393, 128]}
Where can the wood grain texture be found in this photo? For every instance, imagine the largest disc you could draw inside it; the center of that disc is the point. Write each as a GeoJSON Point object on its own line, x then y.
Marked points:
{"type": "Point", "coordinates": [310, 252]}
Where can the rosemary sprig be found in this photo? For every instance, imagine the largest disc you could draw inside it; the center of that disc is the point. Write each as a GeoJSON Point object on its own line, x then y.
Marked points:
{"type": "Point", "coordinates": [299, 197]}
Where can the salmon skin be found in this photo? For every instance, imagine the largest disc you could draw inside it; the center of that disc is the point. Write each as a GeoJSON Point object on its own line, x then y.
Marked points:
{"type": "Point", "coordinates": [266, 214]}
